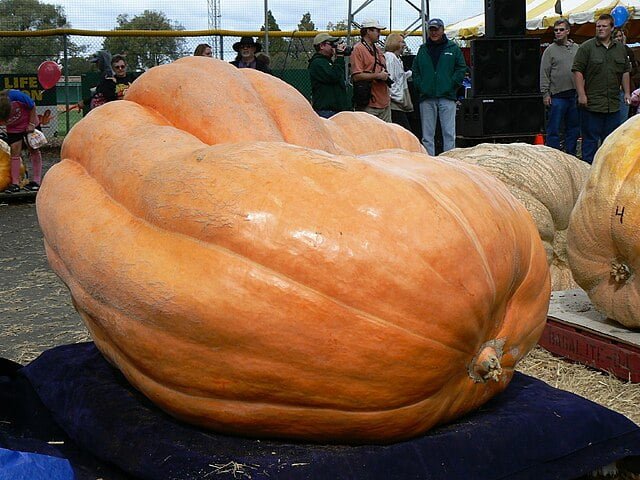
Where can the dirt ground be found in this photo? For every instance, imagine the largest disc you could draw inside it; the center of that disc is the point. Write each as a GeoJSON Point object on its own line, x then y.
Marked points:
{"type": "Point", "coordinates": [36, 314]}
{"type": "Point", "coordinates": [35, 307]}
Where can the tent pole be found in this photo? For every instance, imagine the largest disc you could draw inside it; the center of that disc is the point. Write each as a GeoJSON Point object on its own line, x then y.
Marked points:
{"type": "Point", "coordinates": [266, 27]}
{"type": "Point", "coordinates": [424, 15]}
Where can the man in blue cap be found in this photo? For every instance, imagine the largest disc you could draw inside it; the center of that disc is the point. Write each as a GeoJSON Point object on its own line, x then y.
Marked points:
{"type": "Point", "coordinates": [438, 71]}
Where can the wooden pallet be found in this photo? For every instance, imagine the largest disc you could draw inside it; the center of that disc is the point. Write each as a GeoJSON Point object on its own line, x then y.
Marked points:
{"type": "Point", "coordinates": [575, 330]}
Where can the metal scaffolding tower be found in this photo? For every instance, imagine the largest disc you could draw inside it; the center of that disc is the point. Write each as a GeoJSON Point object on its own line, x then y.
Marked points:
{"type": "Point", "coordinates": [214, 15]}
{"type": "Point", "coordinates": [420, 22]}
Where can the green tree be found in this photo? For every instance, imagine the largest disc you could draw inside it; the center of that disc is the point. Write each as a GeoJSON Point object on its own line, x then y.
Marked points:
{"type": "Point", "coordinates": [340, 25]}
{"type": "Point", "coordinates": [304, 46]}
{"type": "Point", "coordinates": [299, 49]}
{"type": "Point", "coordinates": [146, 52]}
{"type": "Point", "coordinates": [24, 54]}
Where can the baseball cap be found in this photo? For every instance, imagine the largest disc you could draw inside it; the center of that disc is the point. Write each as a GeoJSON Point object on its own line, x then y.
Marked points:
{"type": "Point", "coordinates": [435, 23]}
{"type": "Point", "coordinates": [372, 24]}
{"type": "Point", "coordinates": [324, 37]}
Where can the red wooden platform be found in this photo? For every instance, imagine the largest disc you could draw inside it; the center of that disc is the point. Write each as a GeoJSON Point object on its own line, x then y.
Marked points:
{"type": "Point", "coordinates": [576, 331]}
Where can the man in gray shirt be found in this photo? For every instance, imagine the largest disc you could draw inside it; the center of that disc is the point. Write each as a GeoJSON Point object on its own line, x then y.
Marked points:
{"type": "Point", "coordinates": [558, 88]}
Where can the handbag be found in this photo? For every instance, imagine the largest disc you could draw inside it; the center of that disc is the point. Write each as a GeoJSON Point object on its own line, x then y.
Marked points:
{"type": "Point", "coordinates": [361, 93]}
{"type": "Point", "coordinates": [406, 105]}
{"type": "Point", "coordinates": [362, 89]}
{"type": "Point", "coordinates": [36, 139]}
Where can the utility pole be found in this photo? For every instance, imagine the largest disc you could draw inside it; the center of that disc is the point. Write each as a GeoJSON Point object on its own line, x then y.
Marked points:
{"type": "Point", "coordinates": [214, 15]}
{"type": "Point", "coordinates": [424, 17]}
{"type": "Point", "coordinates": [266, 27]}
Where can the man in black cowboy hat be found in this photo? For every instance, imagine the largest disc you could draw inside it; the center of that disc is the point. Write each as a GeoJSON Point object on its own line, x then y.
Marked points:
{"type": "Point", "coordinates": [246, 58]}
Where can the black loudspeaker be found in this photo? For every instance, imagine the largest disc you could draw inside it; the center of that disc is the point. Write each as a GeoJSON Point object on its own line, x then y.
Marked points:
{"type": "Point", "coordinates": [505, 18]}
{"type": "Point", "coordinates": [478, 117]}
{"type": "Point", "coordinates": [489, 67]}
{"type": "Point", "coordinates": [524, 71]}
{"type": "Point", "coordinates": [505, 67]}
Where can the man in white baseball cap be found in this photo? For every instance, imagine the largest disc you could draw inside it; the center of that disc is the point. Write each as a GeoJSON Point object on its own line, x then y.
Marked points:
{"type": "Point", "coordinates": [369, 73]}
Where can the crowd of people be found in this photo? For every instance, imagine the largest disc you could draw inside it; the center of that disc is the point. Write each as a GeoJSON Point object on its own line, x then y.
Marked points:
{"type": "Point", "coordinates": [381, 83]}
{"type": "Point", "coordinates": [587, 88]}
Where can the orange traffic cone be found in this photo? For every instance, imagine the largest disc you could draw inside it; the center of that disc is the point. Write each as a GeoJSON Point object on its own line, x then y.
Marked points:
{"type": "Point", "coordinates": [539, 140]}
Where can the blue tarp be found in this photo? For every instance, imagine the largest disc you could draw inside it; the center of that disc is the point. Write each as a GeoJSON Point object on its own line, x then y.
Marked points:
{"type": "Point", "coordinates": [33, 466]}
{"type": "Point", "coordinates": [530, 431]}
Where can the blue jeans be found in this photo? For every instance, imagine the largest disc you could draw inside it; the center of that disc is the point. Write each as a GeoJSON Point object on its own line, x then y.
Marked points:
{"type": "Point", "coordinates": [430, 109]}
{"type": "Point", "coordinates": [595, 128]}
{"type": "Point", "coordinates": [563, 109]}
{"type": "Point", "coordinates": [326, 113]}
{"type": "Point", "coordinates": [624, 109]}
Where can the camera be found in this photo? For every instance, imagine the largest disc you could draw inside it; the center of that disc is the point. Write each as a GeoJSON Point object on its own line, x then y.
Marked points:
{"type": "Point", "coordinates": [347, 48]}
{"type": "Point", "coordinates": [389, 82]}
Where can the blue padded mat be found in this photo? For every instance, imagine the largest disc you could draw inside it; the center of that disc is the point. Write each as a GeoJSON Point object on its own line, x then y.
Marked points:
{"type": "Point", "coordinates": [530, 431]}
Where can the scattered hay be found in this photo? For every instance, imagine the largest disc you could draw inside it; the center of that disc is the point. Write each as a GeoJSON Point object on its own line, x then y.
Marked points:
{"type": "Point", "coordinates": [237, 470]}
{"type": "Point", "coordinates": [599, 387]}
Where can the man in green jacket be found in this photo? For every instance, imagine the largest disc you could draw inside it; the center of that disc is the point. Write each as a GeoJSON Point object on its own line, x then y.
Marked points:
{"type": "Point", "coordinates": [600, 68]}
{"type": "Point", "coordinates": [327, 72]}
{"type": "Point", "coordinates": [438, 71]}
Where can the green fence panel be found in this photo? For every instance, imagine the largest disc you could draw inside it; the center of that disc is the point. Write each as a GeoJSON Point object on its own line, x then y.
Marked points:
{"type": "Point", "coordinates": [74, 90]}
{"type": "Point", "coordinates": [298, 78]}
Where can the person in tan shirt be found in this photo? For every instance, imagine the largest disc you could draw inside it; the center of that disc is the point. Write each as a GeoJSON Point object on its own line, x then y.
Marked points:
{"type": "Point", "coordinates": [368, 64]}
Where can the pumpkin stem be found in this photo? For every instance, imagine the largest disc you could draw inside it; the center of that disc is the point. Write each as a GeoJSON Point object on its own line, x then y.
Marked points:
{"type": "Point", "coordinates": [620, 272]}
{"type": "Point", "coordinates": [486, 364]}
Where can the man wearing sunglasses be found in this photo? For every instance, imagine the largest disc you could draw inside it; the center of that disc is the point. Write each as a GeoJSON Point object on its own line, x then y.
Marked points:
{"type": "Point", "coordinates": [122, 78]}
{"type": "Point", "coordinates": [113, 83]}
{"type": "Point", "coordinates": [327, 74]}
{"type": "Point", "coordinates": [558, 88]}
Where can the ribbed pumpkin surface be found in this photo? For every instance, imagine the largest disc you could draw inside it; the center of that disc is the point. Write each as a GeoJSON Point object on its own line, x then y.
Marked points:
{"type": "Point", "coordinates": [248, 273]}
{"type": "Point", "coordinates": [547, 182]}
{"type": "Point", "coordinates": [604, 238]}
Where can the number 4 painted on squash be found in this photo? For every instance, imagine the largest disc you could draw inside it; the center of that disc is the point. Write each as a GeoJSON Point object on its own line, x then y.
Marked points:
{"type": "Point", "coordinates": [619, 213]}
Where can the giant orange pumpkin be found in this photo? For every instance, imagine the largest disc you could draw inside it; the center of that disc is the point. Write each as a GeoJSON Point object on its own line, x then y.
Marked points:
{"type": "Point", "coordinates": [5, 167]}
{"type": "Point", "coordinates": [603, 237]}
{"type": "Point", "coordinates": [253, 268]}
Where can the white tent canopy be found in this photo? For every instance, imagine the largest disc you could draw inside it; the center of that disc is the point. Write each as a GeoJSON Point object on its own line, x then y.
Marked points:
{"type": "Point", "coordinates": [541, 14]}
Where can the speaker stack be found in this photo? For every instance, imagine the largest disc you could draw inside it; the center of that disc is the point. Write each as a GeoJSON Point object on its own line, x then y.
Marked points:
{"type": "Point", "coordinates": [505, 98]}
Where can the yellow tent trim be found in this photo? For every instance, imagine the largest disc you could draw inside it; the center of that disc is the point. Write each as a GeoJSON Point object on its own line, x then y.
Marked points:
{"type": "Point", "coordinates": [590, 4]}
{"type": "Point", "coordinates": [543, 7]}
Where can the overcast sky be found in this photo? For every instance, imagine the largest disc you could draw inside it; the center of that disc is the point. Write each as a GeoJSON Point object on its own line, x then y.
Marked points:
{"type": "Point", "coordinates": [249, 14]}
